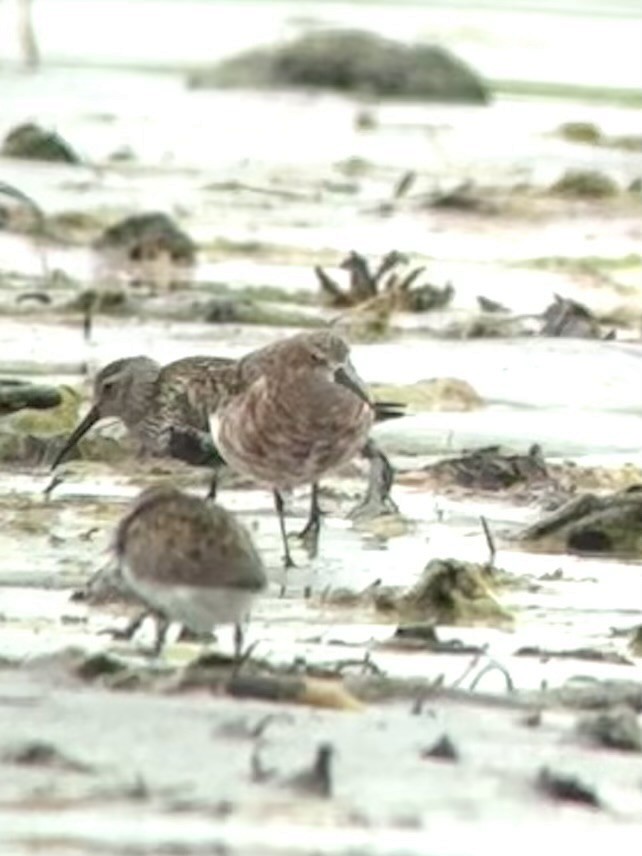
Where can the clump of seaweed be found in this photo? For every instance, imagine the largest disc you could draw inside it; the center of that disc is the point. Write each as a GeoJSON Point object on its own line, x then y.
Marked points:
{"type": "Point", "coordinates": [384, 286]}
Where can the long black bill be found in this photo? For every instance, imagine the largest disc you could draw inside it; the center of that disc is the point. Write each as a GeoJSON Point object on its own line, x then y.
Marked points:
{"type": "Point", "coordinates": [388, 410]}
{"type": "Point", "coordinates": [77, 434]}
{"type": "Point", "coordinates": [346, 376]}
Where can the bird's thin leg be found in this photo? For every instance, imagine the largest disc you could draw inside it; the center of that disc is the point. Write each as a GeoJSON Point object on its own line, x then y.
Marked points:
{"type": "Point", "coordinates": [132, 627]}
{"type": "Point", "coordinates": [310, 532]}
{"type": "Point", "coordinates": [240, 656]}
{"type": "Point", "coordinates": [377, 499]}
{"type": "Point", "coordinates": [211, 494]}
{"type": "Point", "coordinates": [238, 641]}
{"type": "Point", "coordinates": [280, 510]}
{"type": "Point", "coordinates": [162, 626]}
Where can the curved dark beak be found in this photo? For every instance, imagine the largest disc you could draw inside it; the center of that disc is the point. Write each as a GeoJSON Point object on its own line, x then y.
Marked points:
{"type": "Point", "coordinates": [347, 376]}
{"type": "Point", "coordinates": [77, 434]}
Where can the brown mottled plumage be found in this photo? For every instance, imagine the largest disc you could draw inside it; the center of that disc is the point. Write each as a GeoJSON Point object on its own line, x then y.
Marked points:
{"type": "Point", "coordinates": [156, 403]}
{"type": "Point", "coordinates": [190, 560]}
{"type": "Point", "coordinates": [294, 422]}
{"type": "Point", "coordinates": [291, 413]}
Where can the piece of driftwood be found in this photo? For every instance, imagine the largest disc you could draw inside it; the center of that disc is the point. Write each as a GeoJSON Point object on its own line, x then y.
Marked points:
{"type": "Point", "coordinates": [593, 524]}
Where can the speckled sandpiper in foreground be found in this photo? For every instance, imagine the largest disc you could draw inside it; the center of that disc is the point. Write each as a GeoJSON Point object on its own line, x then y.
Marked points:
{"type": "Point", "coordinates": [189, 560]}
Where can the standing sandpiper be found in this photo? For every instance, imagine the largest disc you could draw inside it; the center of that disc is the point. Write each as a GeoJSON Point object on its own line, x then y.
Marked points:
{"type": "Point", "coordinates": [163, 407]}
{"type": "Point", "coordinates": [189, 560]}
{"type": "Point", "coordinates": [292, 412]}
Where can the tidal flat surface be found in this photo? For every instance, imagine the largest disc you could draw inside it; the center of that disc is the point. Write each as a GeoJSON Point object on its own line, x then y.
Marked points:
{"type": "Point", "coordinates": [269, 186]}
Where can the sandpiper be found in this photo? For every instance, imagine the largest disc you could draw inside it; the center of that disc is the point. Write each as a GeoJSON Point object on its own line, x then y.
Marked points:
{"type": "Point", "coordinates": [189, 560]}
{"type": "Point", "coordinates": [164, 408]}
{"type": "Point", "coordinates": [290, 413]}
{"type": "Point", "coordinates": [166, 411]}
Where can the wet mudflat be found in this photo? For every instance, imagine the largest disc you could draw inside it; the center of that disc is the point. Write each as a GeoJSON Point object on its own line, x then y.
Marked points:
{"type": "Point", "coordinates": [128, 755]}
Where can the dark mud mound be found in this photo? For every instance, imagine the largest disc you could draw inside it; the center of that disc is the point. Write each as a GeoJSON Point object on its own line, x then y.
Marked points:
{"type": "Point", "coordinates": [351, 61]}
{"type": "Point", "coordinates": [31, 142]}
{"type": "Point", "coordinates": [16, 395]}
{"type": "Point", "coordinates": [145, 237]}
{"type": "Point", "coordinates": [585, 184]}
{"type": "Point", "coordinates": [594, 525]}
{"type": "Point", "coordinates": [490, 469]}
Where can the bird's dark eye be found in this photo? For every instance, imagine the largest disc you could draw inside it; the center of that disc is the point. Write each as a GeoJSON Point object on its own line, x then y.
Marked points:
{"type": "Point", "coordinates": [108, 386]}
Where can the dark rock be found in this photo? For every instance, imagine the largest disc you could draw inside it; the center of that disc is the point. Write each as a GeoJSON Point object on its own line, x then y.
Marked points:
{"type": "Point", "coordinates": [580, 132]}
{"type": "Point", "coordinates": [222, 310]}
{"type": "Point", "coordinates": [464, 198]}
{"type": "Point", "coordinates": [30, 142]}
{"type": "Point", "coordinates": [615, 729]}
{"type": "Point", "coordinates": [144, 237]}
{"type": "Point", "coordinates": [597, 695]}
{"type": "Point", "coordinates": [442, 750]}
{"type": "Point", "coordinates": [491, 469]}
{"type": "Point", "coordinates": [590, 524]}
{"type": "Point", "coordinates": [36, 753]}
{"type": "Point", "coordinates": [488, 305]}
{"type": "Point", "coordinates": [564, 788]}
{"type": "Point", "coordinates": [16, 395]}
{"type": "Point", "coordinates": [425, 632]}
{"type": "Point", "coordinates": [351, 61]}
{"type": "Point", "coordinates": [568, 319]}
{"type": "Point", "coordinates": [585, 184]}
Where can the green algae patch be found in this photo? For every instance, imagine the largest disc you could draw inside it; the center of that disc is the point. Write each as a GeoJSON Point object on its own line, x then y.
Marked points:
{"type": "Point", "coordinates": [56, 420]}
{"type": "Point", "coordinates": [580, 132]}
{"type": "Point", "coordinates": [585, 184]}
{"type": "Point", "coordinates": [448, 592]}
{"type": "Point", "coordinates": [587, 133]}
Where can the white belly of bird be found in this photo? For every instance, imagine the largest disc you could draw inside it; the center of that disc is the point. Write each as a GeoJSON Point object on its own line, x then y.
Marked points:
{"type": "Point", "coordinates": [199, 608]}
